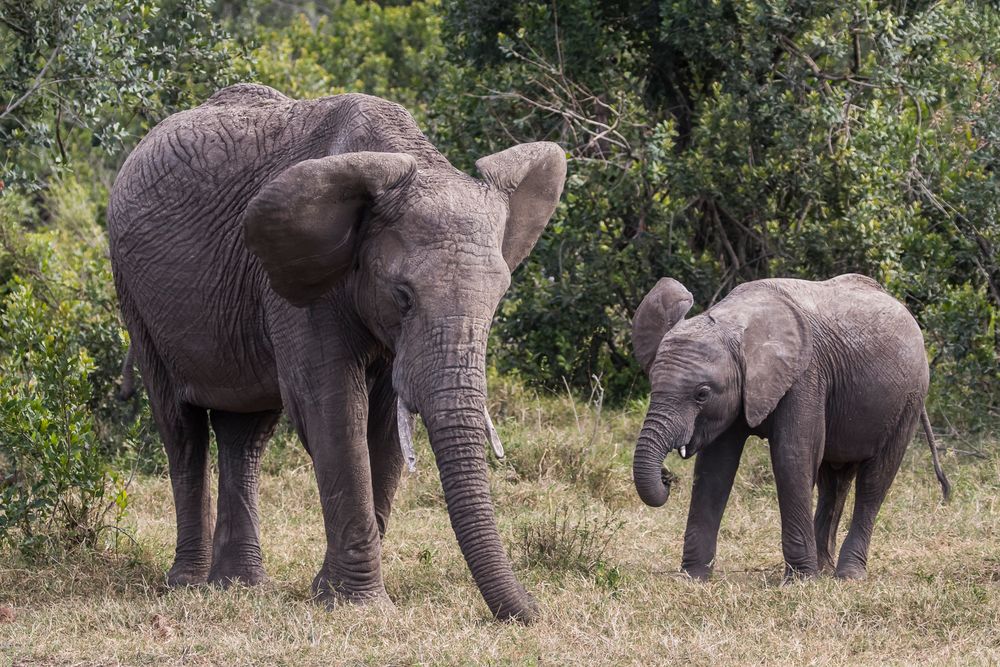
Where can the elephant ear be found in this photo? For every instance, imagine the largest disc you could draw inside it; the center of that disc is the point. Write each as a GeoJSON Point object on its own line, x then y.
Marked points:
{"type": "Point", "coordinates": [776, 348]}
{"type": "Point", "coordinates": [665, 305]}
{"type": "Point", "coordinates": [532, 177]}
{"type": "Point", "coordinates": [304, 224]}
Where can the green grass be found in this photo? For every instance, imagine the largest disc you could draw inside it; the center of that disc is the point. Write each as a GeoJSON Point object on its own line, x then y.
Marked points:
{"type": "Point", "coordinates": [603, 567]}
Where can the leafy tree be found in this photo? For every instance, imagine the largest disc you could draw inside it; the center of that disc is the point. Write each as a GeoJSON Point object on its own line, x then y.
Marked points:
{"type": "Point", "coordinates": [389, 51]}
{"type": "Point", "coordinates": [729, 141]}
{"type": "Point", "coordinates": [107, 69]}
{"type": "Point", "coordinates": [75, 76]}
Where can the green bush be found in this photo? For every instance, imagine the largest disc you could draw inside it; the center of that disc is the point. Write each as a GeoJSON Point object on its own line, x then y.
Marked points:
{"type": "Point", "coordinates": [57, 478]}
{"type": "Point", "coordinates": [77, 75]}
{"type": "Point", "coordinates": [358, 47]}
{"type": "Point", "coordinates": [80, 83]}
{"type": "Point", "coordinates": [730, 141]}
{"type": "Point", "coordinates": [66, 442]}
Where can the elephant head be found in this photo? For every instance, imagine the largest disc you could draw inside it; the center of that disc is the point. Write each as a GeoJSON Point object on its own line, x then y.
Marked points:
{"type": "Point", "coordinates": [736, 360]}
{"type": "Point", "coordinates": [425, 253]}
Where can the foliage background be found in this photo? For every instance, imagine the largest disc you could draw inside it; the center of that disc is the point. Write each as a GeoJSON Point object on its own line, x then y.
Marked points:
{"type": "Point", "coordinates": [715, 142]}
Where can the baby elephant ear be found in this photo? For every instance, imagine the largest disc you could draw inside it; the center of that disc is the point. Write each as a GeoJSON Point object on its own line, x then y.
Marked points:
{"type": "Point", "coordinates": [665, 305]}
{"type": "Point", "coordinates": [532, 177]}
{"type": "Point", "coordinates": [776, 348]}
{"type": "Point", "coordinates": [303, 224]}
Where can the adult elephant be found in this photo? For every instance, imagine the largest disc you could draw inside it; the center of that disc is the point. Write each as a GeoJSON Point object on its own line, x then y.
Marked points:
{"type": "Point", "coordinates": [321, 257]}
{"type": "Point", "coordinates": [834, 375]}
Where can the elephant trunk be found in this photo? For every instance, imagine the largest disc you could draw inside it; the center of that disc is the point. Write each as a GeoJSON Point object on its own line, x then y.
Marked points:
{"type": "Point", "coordinates": [456, 426]}
{"type": "Point", "coordinates": [452, 406]}
{"type": "Point", "coordinates": [659, 436]}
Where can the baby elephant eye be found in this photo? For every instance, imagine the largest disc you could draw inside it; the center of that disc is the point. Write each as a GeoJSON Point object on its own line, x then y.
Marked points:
{"type": "Point", "coordinates": [403, 296]}
{"type": "Point", "coordinates": [703, 393]}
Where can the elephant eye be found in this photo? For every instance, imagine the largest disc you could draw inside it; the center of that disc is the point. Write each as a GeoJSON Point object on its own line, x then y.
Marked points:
{"type": "Point", "coordinates": [403, 296]}
{"type": "Point", "coordinates": [703, 393]}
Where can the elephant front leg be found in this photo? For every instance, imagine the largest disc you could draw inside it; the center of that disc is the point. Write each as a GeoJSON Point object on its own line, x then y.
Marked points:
{"type": "Point", "coordinates": [384, 453]}
{"type": "Point", "coordinates": [714, 472]}
{"type": "Point", "coordinates": [797, 444]}
{"type": "Point", "coordinates": [333, 429]}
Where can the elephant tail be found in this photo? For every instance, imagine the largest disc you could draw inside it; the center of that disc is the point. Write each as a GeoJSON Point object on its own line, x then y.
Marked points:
{"type": "Point", "coordinates": [127, 388]}
{"type": "Point", "coordinates": [942, 478]}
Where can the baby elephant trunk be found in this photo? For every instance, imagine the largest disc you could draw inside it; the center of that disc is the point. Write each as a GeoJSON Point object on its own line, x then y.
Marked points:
{"type": "Point", "coordinates": [661, 433]}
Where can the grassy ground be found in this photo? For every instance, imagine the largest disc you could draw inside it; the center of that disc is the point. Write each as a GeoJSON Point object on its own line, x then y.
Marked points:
{"type": "Point", "coordinates": [602, 565]}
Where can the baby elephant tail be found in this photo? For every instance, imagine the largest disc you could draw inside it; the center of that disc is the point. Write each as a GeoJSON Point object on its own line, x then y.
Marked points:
{"type": "Point", "coordinates": [942, 478]}
{"type": "Point", "coordinates": [127, 389]}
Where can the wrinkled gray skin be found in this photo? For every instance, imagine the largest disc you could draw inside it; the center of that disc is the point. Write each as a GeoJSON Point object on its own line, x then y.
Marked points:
{"type": "Point", "coordinates": [323, 258]}
{"type": "Point", "coordinates": [832, 373]}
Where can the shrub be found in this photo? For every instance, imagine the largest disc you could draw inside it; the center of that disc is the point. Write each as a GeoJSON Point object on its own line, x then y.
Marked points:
{"type": "Point", "coordinates": [564, 543]}
{"type": "Point", "coordinates": [359, 47]}
{"type": "Point", "coordinates": [64, 439]}
{"type": "Point", "coordinates": [56, 476]}
{"type": "Point", "coordinates": [81, 74]}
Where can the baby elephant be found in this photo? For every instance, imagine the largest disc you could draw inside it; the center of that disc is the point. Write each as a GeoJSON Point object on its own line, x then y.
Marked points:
{"type": "Point", "coordinates": [832, 373]}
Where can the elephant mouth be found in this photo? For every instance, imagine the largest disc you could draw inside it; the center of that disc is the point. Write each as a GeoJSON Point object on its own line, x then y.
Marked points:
{"type": "Point", "coordinates": [686, 451]}
{"type": "Point", "coordinates": [404, 424]}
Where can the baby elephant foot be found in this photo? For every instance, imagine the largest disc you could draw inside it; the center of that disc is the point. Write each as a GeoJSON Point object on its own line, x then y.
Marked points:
{"type": "Point", "coordinates": [331, 594]}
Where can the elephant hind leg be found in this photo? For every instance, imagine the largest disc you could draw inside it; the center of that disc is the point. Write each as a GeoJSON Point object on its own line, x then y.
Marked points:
{"type": "Point", "coordinates": [833, 484]}
{"type": "Point", "coordinates": [184, 431]}
{"type": "Point", "coordinates": [236, 553]}
{"type": "Point", "coordinates": [875, 476]}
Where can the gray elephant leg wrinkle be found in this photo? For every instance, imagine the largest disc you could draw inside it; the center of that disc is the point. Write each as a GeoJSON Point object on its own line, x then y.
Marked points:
{"type": "Point", "coordinates": [384, 451]}
{"type": "Point", "coordinates": [184, 431]}
{"type": "Point", "coordinates": [714, 474]}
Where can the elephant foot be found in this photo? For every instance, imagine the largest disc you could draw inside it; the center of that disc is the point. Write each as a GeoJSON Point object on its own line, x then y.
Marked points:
{"type": "Point", "coordinates": [246, 575]}
{"type": "Point", "coordinates": [332, 596]}
{"type": "Point", "coordinates": [826, 565]}
{"type": "Point", "coordinates": [793, 574]}
{"type": "Point", "coordinates": [851, 572]}
{"type": "Point", "coordinates": [697, 572]}
{"type": "Point", "coordinates": [186, 574]}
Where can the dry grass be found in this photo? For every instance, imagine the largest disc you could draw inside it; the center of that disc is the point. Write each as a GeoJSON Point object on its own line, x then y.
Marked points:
{"type": "Point", "coordinates": [932, 596]}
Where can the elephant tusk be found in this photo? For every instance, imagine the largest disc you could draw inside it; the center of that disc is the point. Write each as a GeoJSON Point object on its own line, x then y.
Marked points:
{"type": "Point", "coordinates": [404, 422]}
{"type": "Point", "coordinates": [494, 436]}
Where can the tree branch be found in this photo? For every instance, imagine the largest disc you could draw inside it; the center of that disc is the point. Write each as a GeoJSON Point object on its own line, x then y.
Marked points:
{"type": "Point", "coordinates": [13, 26]}
{"type": "Point", "coordinates": [36, 84]}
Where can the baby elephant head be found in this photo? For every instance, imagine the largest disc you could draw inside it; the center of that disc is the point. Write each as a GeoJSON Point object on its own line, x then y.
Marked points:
{"type": "Point", "coordinates": [733, 362]}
